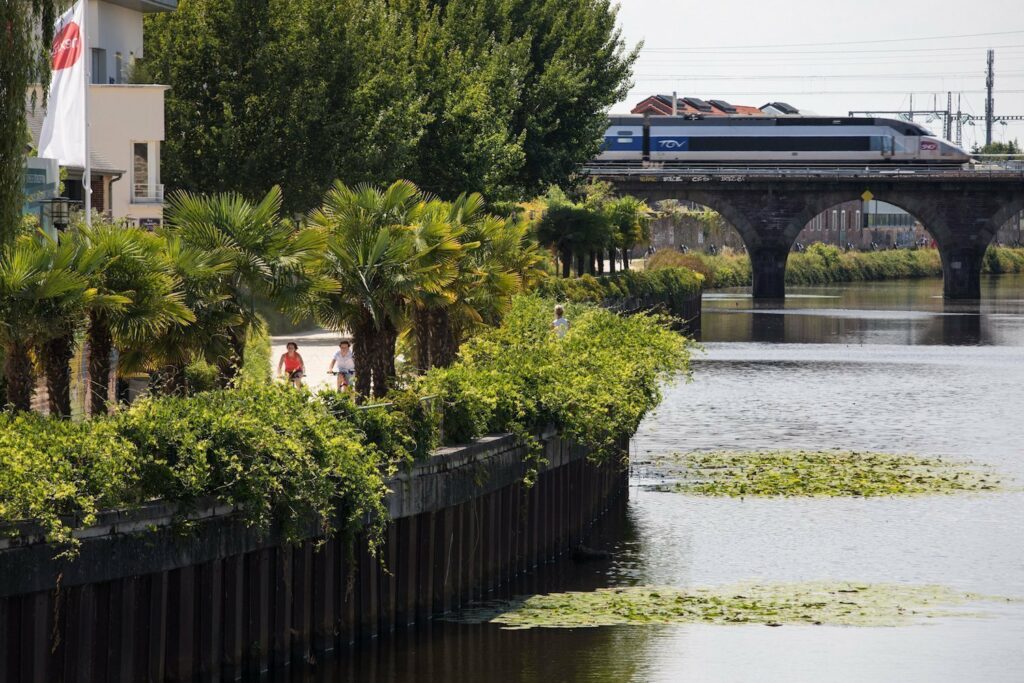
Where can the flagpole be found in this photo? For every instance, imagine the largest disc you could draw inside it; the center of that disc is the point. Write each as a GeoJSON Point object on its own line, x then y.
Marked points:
{"type": "Point", "coordinates": [87, 56]}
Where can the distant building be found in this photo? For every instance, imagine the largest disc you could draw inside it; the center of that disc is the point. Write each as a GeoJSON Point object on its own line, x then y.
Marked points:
{"type": "Point", "coordinates": [661, 105]}
{"type": "Point", "coordinates": [863, 224]}
{"type": "Point", "coordinates": [126, 120]}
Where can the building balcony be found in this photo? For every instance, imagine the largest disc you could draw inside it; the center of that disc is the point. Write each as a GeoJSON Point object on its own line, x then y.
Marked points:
{"type": "Point", "coordinates": [145, 193]}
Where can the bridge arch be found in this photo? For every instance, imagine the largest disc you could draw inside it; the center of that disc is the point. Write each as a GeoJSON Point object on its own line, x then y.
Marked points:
{"type": "Point", "coordinates": [961, 209]}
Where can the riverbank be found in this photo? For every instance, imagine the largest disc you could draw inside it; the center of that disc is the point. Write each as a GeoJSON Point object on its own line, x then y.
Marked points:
{"type": "Point", "coordinates": [285, 456]}
{"type": "Point", "coordinates": [824, 264]}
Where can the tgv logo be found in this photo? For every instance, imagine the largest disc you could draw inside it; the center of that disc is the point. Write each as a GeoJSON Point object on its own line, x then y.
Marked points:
{"type": "Point", "coordinates": [681, 143]}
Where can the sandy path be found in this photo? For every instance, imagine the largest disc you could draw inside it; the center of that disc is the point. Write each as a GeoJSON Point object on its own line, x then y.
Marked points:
{"type": "Point", "coordinates": [316, 348]}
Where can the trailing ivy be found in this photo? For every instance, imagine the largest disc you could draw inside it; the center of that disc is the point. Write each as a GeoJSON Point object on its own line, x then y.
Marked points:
{"type": "Point", "coordinates": [594, 385]}
{"type": "Point", "coordinates": [288, 458]}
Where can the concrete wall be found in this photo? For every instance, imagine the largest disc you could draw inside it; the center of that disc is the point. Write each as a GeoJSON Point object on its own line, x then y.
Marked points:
{"type": "Point", "coordinates": [115, 29]}
{"type": "Point", "coordinates": [144, 602]}
{"type": "Point", "coordinates": [120, 115]}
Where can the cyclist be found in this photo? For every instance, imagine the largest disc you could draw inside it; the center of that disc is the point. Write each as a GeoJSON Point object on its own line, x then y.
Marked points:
{"type": "Point", "coordinates": [343, 364]}
{"type": "Point", "coordinates": [292, 364]}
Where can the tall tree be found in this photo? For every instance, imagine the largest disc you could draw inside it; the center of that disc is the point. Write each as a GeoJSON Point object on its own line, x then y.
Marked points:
{"type": "Point", "coordinates": [268, 257]}
{"type": "Point", "coordinates": [26, 31]}
{"type": "Point", "coordinates": [292, 93]}
{"type": "Point", "coordinates": [127, 266]}
{"type": "Point", "coordinates": [386, 247]}
{"type": "Point", "coordinates": [495, 96]}
{"type": "Point", "coordinates": [38, 287]}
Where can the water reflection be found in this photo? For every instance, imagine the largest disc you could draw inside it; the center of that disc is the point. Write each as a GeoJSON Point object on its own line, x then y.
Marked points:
{"type": "Point", "coordinates": [905, 313]}
{"type": "Point", "coordinates": [886, 366]}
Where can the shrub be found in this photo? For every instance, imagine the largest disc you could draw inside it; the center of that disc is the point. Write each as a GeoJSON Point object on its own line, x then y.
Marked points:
{"type": "Point", "coordinates": [824, 264]}
{"type": "Point", "coordinates": [268, 449]}
{"type": "Point", "coordinates": [285, 457]}
{"type": "Point", "coordinates": [594, 385]}
{"type": "Point", "coordinates": [666, 283]}
{"type": "Point", "coordinates": [61, 473]}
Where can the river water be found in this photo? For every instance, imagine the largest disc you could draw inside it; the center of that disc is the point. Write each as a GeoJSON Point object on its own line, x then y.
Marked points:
{"type": "Point", "coordinates": [887, 367]}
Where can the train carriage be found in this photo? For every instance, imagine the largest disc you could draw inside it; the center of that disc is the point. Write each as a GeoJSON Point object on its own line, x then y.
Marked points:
{"type": "Point", "coordinates": [773, 140]}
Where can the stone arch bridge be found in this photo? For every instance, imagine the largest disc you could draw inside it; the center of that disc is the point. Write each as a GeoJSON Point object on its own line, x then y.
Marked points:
{"type": "Point", "coordinates": [962, 209]}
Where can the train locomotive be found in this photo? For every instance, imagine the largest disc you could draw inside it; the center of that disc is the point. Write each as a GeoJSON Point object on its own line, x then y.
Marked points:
{"type": "Point", "coordinates": [772, 140]}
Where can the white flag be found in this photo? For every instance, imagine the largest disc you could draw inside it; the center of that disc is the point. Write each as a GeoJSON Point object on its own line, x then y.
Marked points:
{"type": "Point", "coordinates": [63, 134]}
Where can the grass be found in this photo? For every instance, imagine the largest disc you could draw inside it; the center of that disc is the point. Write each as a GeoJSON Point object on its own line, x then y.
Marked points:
{"type": "Point", "coordinates": [821, 473]}
{"type": "Point", "coordinates": [814, 603]}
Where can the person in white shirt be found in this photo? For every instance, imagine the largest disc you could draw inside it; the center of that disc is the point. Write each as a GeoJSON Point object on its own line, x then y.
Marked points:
{"type": "Point", "coordinates": [560, 325]}
{"type": "Point", "coordinates": [344, 363]}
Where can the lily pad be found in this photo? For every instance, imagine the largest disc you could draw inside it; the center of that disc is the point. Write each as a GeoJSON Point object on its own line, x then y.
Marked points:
{"type": "Point", "coordinates": [847, 604]}
{"type": "Point", "coordinates": [820, 473]}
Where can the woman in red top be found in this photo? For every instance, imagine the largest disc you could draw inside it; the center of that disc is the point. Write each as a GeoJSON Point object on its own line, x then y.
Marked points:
{"type": "Point", "coordinates": [292, 364]}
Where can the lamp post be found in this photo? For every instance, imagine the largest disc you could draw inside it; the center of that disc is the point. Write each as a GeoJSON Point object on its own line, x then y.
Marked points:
{"type": "Point", "coordinates": [58, 209]}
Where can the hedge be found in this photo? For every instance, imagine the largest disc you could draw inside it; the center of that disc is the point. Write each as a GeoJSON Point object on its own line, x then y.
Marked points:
{"type": "Point", "coordinates": [605, 289]}
{"type": "Point", "coordinates": [824, 264]}
{"type": "Point", "coordinates": [286, 456]}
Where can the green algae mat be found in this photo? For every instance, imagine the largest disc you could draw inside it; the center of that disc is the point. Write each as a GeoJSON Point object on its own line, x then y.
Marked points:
{"type": "Point", "coordinates": [840, 604]}
{"type": "Point", "coordinates": [820, 473]}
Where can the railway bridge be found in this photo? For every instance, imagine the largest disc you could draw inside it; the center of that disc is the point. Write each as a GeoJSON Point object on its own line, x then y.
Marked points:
{"type": "Point", "coordinates": [962, 209]}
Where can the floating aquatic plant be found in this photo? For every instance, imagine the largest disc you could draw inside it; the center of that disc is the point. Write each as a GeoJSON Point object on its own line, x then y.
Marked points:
{"type": "Point", "coordinates": [849, 604]}
{"type": "Point", "coordinates": [820, 473]}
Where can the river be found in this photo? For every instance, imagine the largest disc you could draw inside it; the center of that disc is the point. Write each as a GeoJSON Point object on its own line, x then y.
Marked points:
{"type": "Point", "coordinates": [885, 366]}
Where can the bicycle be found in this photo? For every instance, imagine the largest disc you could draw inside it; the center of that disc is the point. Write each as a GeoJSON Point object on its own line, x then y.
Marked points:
{"type": "Point", "coordinates": [345, 378]}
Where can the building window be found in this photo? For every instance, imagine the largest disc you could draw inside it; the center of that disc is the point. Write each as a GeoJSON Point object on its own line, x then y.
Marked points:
{"type": "Point", "coordinates": [118, 68]}
{"type": "Point", "coordinates": [146, 187]}
{"type": "Point", "coordinates": [99, 65]}
{"type": "Point", "coordinates": [842, 224]}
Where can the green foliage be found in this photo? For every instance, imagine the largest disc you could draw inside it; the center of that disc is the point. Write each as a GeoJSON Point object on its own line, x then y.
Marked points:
{"type": "Point", "coordinates": [1008, 147]}
{"type": "Point", "coordinates": [666, 284]}
{"type": "Point", "coordinates": [822, 264]}
{"type": "Point", "coordinates": [61, 473]}
{"type": "Point", "coordinates": [495, 96]}
{"type": "Point", "coordinates": [24, 62]}
{"type": "Point", "coordinates": [269, 450]}
{"type": "Point", "coordinates": [284, 456]}
{"type": "Point", "coordinates": [820, 473]}
{"type": "Point", "coordinates": [403, 429]}
{"type": "Point", "coordinates": [594, 385]}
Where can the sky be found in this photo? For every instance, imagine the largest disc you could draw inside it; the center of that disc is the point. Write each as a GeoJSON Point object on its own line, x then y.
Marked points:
{"type": "Point", "coordinates": [832, 56]}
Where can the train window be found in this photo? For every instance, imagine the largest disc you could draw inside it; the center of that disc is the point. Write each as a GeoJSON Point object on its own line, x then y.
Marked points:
{"type": "Point", "coordinates": [780, 144]}
{"type": "Point", "coordinates": [624, 133]}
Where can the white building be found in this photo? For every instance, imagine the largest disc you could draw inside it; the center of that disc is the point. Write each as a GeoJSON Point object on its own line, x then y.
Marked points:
{"type": "Point", "coordinates": [126, 121]}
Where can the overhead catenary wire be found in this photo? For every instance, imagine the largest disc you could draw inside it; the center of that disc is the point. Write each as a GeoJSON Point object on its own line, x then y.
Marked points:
{"type": "Point", "coordinates": [873, 41]}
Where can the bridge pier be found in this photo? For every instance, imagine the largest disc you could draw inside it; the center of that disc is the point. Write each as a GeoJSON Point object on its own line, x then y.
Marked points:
{"type": "Point", "coordinates": [961, 270]}
{"type": "Point", "coordinates": [768, 271]}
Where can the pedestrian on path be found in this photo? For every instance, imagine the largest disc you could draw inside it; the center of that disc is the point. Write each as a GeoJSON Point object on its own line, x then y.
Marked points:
{"type": "Point", "coordinates": [560, 325]}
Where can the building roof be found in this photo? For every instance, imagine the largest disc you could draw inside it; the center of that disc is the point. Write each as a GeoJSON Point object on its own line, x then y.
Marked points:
{"type": "Point", "coordinates": [147, 6]}
{"type": "Point", "coordinates": [662, 105]}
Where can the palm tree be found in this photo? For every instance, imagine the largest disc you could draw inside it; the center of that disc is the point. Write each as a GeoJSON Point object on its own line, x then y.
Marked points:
{"type": "Point", "coordinates": [268, 257]}
{"type": "Point", "coordinates": [129, 264]}
{"type": "Point", "coordinates": [385, 248]}
{"type": "Point", "coordinates": [630, 219]}
{"type": "Point", "coordinates": [38, 290]}
{"type": "Point", "coordinates": [499, 257]}
{"type": "Point", "coordinates": [167, 355]}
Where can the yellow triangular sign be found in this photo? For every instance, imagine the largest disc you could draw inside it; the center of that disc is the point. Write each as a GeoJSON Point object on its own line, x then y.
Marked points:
{"type": "Point", "coordinates": [867, 196]}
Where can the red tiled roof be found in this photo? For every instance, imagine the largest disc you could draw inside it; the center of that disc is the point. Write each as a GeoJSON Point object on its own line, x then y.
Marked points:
{"type": "Point", "coordinates": [661, 105]}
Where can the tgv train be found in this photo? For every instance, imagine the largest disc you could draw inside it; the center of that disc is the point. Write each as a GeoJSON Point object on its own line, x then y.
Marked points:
{"type": "Point", "coordinates": [773, 140]}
